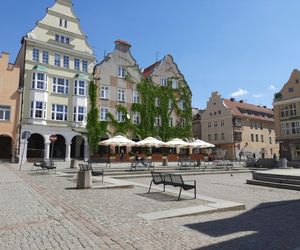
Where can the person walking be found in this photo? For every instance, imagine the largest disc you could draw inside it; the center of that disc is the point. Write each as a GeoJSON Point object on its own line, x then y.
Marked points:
{"type": "Point", "coordinates": [122, 155]}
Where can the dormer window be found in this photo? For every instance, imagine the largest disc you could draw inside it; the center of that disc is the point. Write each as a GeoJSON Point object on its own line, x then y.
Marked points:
{"type": "Point", "coordinates": [121, 71]}
{"type": "Point", "coordinates": [63, 23]}
{"type": "Point", "coordinates": [62, 39]}
{"type": "Point", "coordinates": [163, 81]}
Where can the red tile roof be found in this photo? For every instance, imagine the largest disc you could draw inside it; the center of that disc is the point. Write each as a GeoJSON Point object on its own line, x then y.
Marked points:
{"type": "Point", "coordinates": [243, 109]}
{"type": "Point", "coordinates": [149, 70]}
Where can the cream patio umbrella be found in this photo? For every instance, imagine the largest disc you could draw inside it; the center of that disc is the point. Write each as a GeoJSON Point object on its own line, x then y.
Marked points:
{"type": "Point", "coordinates": [176, 142]}
{"type": "Point", "coordinates": [118, 140]}
{"type": "Point", "coordinates": [150, 142]}
{"type": "Point", "coordinates": [201, 144]}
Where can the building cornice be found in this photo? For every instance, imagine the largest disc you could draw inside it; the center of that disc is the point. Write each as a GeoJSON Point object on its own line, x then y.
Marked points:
{"type": "Point", "coordinates": [57, 14]}
{"type": "Point", "coordinates": [59, 49]}
{"type": "Point", "coordinates": [288, 101]}
{"type": "Point", "coordinates": [61, 31]}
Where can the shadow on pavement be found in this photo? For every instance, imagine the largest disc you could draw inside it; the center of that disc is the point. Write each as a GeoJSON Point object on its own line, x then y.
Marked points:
{"type": "Point", "coordinates": [273, 225]}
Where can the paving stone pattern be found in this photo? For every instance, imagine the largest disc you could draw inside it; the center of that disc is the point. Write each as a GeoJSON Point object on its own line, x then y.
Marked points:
{"type": "Point", "coordinates": [46, 212]}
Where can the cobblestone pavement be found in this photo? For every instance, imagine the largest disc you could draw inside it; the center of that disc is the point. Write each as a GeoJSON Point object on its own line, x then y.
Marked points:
{"type": "Point", "coordinates": [46, 212]}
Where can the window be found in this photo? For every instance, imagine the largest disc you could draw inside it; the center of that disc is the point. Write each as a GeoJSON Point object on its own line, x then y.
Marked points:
{"type": "Point", "coordinates": [209, 137]}
{"type": "Point", "coordinates": [181, 105]}
{"type": "Point", "coordinates": [163, 81]}
{"type": "Point", "coordinates": [215, 124]}
{"type": "Point", "coordinates": [256, 138]}
{"type": "Point", "coordinates": [79, 114]}
{"type": "Point", "coordinates": [293, 109]}
{"type": "Point", "coordinates": [285, 128]}
{"type": "Point", "coordinates": [45, 57]}
{"type": "Point", "coordinates": [222, 123]}
{"type": "Point", "coordinates": [4, 113]}
{"type": "Point", "coordinates": [66, 24]}
{"type": "Point", "coordinates": [121, 71]}
{"type": "Point", "coordinates": [38, 110]}
{"type": "Point", "coordinates": [120, 116]}
{"type": "Point", "coordinates": [295, 127]}
{"type": "Point", "coordinates": [136, 118]}
{"type": "Point", "coordinates": [59, 112]}
{"type": "Point", "coordinates": [136, 96]}
{"type": "Point", "coordinates": [104, 92]}
{"type": "Point", "coordinates": [209, 124]}
{"type": "Point", "coordinates": [252, 137]}
{"type": "Point", "coordinates": [60, 22]}
{"type": "Point", "coordinates": [284, 111]}
{"type": "Point", "coordinates": [157, 102]}
{"type": "Point", "coordinates": [261, 126]}
{"type": "Point", "coordinates": [84, 66]}
{"type": "Point", "coordinates": [171, 122]}
{"type": "Point", "coordinates": [170, 106]}
{"type": "Point", "coordinates": [36, 55]}
{"type": "Point", "coordinates": [270, 140]}
{"type": "Point", "coordinates": [62, 39]}
{"type": "Point", "coordinates": [291, 90]}
{"type": "Point", "coordinates": [222, 136]}
{"type": "Point", "coordinates": [121, 95]}
{"type": "Point", "coordinates": [216, 137]}
{"type": "Point", "coordinates": [157, 121]}
{"type": "Point", "coordinates": [66, 62]}
{"type": "Point", "coordinates": [261, 138]}
{"type": "Point", "coordinates": [183, 122]}
{"type": "Point", "coordinates": [174, 84]}
{"type": "Point", "coordinates": [60, 85]}
{"type": "Point", "coordinates": [80, 88]}
{"type": "Point", "coordinates": [219, 112]}
{"type": "Point", "coordinates": [104, 114]}
{"type": "Point", "coordinates": [39, 81]}
{"type": "Point", "coordinates": [76, 64]}
{"type": "Point", "coordinates": [251, 124]}
{"type": "Point", "coordinates": [57, 59]}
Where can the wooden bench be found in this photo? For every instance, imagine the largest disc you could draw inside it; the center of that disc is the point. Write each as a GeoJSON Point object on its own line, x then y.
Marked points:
{"type": "Point", "coordinates": [141, 163]}
{"type": "Point", "coordinates": [89, 167]}
{"type": "Point", "coordinates": [45, 165]}
{"type": "Point", "coordinates": [174, 180]}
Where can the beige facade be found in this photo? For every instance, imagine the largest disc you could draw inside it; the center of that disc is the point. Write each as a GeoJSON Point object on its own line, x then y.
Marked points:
{"type": "Point", "coordinates": [238, 128]}
{"type": "Point", "coordinates": [56, 66]}
{"type": "Point", "coordinates": [9, 108]}
{"type": "Point", "coordinates": [287, 117]}
{"type": "Point", "coordinates": [117, 77]}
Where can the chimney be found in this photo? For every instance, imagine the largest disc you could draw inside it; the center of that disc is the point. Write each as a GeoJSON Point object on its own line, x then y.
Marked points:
{"type": "Point", "coordinates": [122, 45]}
{"type": "Point", "coordinates": [241, 101]}
{"type": "Point", "coordinates": [232, 99]}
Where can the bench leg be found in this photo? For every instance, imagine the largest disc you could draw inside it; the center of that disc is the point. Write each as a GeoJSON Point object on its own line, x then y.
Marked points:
{"type": "Point", "coordinates": [150, 187]}
{"type": "Point", "coordinates": [195, 193]}
{"type": "Point", "coordinates": [164, 187]}
{"type": "Point", "coordinates": [102, 176]}
{"type": "Point", "coordinates": [179, 193]}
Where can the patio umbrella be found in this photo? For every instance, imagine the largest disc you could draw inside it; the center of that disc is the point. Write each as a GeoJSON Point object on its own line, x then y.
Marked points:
{"type": "Point", "coordinates": [201, 144]}
{"type": "Point", "coordinates": [177, 143]}
{"type": "Point", "coordinates": [118, 140]}
{"type": "Point", "coordinates": [150, 142]}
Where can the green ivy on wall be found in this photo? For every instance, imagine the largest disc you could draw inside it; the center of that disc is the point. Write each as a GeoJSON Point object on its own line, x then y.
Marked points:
{"type": "Point", "coordinates": [148, 110]}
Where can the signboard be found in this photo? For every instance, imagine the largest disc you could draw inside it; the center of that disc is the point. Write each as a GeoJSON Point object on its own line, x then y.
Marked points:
{"type": "Point", "coordinates": [53, 138]}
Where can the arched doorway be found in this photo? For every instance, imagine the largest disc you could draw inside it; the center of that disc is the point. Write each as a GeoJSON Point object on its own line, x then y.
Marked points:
{"type": "Point", "coordinates": [59, 148]}
{"type": "Point", "coordinates": [77, 147]}
{"type": "Point", "coordinates": [35, 146]}
{"type": "Point", "coordinates": [6, 148]}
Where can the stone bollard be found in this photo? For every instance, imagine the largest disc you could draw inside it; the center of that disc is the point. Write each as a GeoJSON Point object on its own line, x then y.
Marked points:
{"type": "Point", "coordinates": [84, 179]}
{"type": "Point", "coordinates": [73, 164]}
{"type": "Point", "coordinates": [165, 162]}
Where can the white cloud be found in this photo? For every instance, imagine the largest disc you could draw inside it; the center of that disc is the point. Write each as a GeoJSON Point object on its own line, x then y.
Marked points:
{"type": "Point", "coordinates": [272, 87]}
{"type": "Point", "coordinates": [258, 95]}
{"type": "Point", "coordinates": [240, 92]}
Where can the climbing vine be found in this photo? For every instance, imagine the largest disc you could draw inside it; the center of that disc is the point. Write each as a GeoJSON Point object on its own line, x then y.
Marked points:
{"type": "Point", "coordinates": [94, 128]}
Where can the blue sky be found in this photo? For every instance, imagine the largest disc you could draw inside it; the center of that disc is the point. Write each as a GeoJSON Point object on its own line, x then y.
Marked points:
{"type": "Point", "coordinates": [241, 48]}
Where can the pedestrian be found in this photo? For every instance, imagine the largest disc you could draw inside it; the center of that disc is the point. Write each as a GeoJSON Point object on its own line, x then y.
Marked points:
{"type": "Point", "coordinates": [122, 155]}
{"type": "Point", "coordinates": [274, 156]}
{"type": "Point", "coordinates": [254, 156]}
